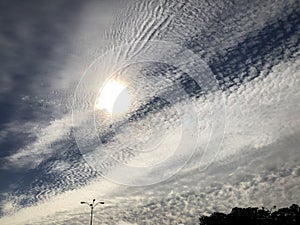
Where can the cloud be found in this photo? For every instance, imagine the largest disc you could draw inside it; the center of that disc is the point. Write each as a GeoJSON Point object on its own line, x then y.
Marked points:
{"type": "Point", "coordinates": [33, 154]}
{"type": "Point", "coordinates": [257, 163]}
{"type": "Point", "coordinates": [125, 223]}
{"type": "Point", "coordinates": [249, 170]}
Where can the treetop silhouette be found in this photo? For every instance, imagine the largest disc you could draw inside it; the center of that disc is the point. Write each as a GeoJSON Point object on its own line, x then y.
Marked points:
{"type": "Point", "coordinates": [254, 216]}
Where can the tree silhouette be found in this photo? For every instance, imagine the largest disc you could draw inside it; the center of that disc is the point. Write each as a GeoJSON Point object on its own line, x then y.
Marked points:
{"type": "Point", "coordinates": [254, 216]}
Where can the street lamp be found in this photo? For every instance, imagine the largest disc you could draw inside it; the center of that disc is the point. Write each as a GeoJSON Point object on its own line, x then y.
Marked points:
{"type": "Point", "coordinates": [92, 206]}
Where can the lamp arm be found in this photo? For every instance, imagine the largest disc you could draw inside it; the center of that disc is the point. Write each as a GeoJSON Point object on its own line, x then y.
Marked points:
{"type": "Point", "coordinates": [98, 203]}
{"type": "Point", "coordinates": [85, 203]}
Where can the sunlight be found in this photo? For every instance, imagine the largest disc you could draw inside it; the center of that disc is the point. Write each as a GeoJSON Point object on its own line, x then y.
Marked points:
{"type": "Point", "coordinates": [114, 98]}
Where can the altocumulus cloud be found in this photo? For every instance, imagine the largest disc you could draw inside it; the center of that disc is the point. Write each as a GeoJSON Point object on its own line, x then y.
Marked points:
{"type": "Point", "coordinates": [252, 48]}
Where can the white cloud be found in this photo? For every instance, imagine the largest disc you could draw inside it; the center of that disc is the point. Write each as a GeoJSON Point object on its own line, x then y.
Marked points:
{"type": "Point", "coordinates": [250, 169]}
{"type": "Point", "coordinates": [257, 164]}
{"type": "Point", "coordinates": [33, 154]}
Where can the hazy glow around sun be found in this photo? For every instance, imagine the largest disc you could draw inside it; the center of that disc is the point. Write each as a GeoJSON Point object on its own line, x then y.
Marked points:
{"type": "Point", "coordinates": [114, 97]}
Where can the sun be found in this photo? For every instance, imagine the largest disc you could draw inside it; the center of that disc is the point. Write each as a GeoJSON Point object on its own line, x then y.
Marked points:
{"type": "Point", "coordinates": [114, 97]}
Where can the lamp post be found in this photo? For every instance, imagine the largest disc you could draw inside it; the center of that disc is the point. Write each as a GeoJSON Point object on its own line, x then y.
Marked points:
{"type": "Point", "coordinates": [92, 206]}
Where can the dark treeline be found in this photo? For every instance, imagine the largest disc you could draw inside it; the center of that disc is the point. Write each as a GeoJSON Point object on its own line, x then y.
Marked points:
{"type": "Point", "coordinates": [255, 216]}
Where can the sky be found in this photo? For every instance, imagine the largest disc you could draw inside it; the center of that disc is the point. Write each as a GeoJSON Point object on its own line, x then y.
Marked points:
{"type": "Point", "coordinates": [164, 110]}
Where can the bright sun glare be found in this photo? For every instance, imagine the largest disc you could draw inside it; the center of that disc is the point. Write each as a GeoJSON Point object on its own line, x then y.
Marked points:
{"type": "Point", "coordinates": [114, 97]}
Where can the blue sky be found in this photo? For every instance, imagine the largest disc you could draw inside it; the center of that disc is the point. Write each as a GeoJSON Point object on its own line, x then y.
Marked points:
{"type": "Point", "coordinates": [213, 123]}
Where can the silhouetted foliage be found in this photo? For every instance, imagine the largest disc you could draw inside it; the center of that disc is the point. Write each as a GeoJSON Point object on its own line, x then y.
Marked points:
{"type": "Point", "coordinates": [254, 216]}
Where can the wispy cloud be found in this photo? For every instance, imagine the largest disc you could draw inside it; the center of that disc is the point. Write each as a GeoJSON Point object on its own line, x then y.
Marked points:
{"type": "Point", "coordinates": [33, 154]}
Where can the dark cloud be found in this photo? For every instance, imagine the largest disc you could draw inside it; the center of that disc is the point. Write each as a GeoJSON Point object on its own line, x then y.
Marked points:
{"type": "Point", "coordinates": [34, 40]}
